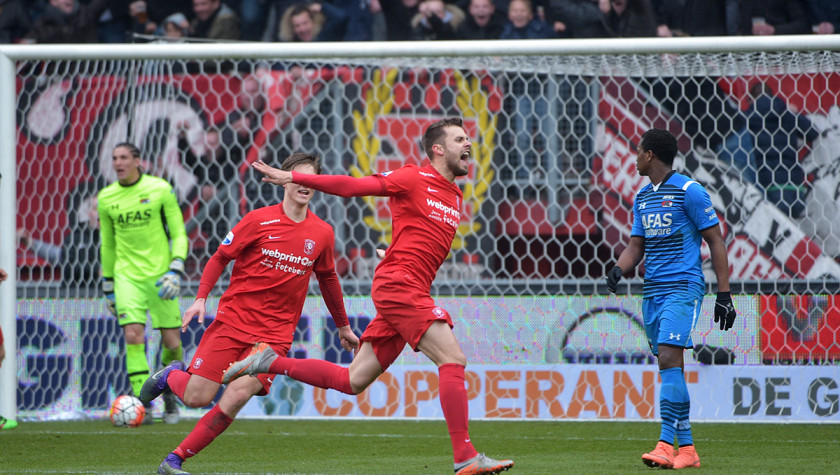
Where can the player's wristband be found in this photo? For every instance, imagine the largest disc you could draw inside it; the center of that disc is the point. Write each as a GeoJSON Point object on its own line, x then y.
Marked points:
{"type": "Point", "coordinates": [177, 265]}
{"type": "Point", "coordinates": [107, 285]}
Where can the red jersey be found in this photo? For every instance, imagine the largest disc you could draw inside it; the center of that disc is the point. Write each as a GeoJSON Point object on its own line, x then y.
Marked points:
{"type": "Point", "coordinates": [275, 257]}
{"type": "Point", "coordinates": [425, 214]}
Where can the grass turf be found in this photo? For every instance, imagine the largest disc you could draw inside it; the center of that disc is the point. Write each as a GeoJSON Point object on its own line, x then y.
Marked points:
{"type": "Point", "coordinates": [287, 446]}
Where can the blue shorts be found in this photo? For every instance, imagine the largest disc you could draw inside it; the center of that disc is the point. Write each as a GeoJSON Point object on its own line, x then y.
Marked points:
{"type": "Point", "coordinates": [670, 318]}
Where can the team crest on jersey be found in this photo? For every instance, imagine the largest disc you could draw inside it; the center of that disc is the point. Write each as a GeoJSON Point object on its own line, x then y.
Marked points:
{"type": "Point", "coordinates": [197, 363]}
{"type": "Point", "coordinates": [309, 246]}
{"type": "Point", "coordinates": [228, 239]}
{"type": "Point", "coordinates": [438, 312]}
{"type": "Point", "coordinates": [145, 201]}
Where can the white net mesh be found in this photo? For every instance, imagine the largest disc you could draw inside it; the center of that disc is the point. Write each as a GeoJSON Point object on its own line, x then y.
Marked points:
{"type": "Point", "coordinates": [547, 209]}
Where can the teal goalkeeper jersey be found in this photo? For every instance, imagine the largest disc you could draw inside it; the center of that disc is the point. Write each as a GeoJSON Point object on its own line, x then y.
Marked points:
{"type": "Point", "coordinates": [133, 223]}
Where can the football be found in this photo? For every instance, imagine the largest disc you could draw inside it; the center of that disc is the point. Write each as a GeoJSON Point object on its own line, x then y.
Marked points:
{"type": "Point", "coordinates": [127, 411]}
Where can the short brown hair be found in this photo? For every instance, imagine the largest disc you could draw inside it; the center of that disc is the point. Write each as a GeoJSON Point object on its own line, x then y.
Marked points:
{"type": "Point", "coordinates": [132, 149]}
{"type": "Point", "coordinates": [434, 133]}
{"type": "Point", "coordinates": [301, 158]}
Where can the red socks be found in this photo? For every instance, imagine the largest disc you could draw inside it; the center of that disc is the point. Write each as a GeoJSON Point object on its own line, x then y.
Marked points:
{"type": "Point", "coordinates": [208, 428]}
{"type": "Point", "coordinates": [453, 401]}
{"type": "Point", "coordinates": [319, 373]}
{"type": "Point", "coordinates": [177, 381]}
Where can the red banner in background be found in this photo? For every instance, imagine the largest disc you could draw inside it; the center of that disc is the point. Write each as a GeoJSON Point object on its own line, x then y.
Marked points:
{"type": "Point", "coordinates": [800, 328]}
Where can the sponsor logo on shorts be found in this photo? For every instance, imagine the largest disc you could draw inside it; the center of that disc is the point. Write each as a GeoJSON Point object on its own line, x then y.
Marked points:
{"type": "Point", "coordinates": [197, 363]}
{"type": "Point", "coordinates": [674, 336]}
{"type": "Point", "coordinates": [438, 312]}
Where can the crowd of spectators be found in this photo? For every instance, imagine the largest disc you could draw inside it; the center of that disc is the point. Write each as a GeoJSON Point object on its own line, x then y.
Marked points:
{"type": "Point", "coordinates": [116, 21]}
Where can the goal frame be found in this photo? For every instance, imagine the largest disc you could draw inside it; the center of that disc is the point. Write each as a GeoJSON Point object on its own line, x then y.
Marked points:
{"type": "Point", "coordinates": [9, 54]}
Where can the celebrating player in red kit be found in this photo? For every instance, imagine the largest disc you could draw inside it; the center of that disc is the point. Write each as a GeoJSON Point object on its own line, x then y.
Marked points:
{"type": "Point", "coordinates": [425, 207]}
{"type": "Point", "coordinates": [276, 248]}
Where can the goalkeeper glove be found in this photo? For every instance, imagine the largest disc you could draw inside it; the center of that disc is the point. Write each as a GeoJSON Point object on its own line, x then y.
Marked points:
{"type": "Point", "coordinates": [724, 310]}
{"type": "Point", "coordinates": [613, 276]}
{"type": "Point", "coordinates": [170, 283]}
{"type": "Point", "coordinates": [110, 297]}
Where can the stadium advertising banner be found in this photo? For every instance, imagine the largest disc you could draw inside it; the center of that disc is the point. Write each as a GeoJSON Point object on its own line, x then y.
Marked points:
{"type": "Point", "coordinates": [528, 358]}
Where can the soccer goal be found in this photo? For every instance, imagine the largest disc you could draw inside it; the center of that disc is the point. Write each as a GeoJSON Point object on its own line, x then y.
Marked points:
{"type": "Point", "coordinates": [547, 209]}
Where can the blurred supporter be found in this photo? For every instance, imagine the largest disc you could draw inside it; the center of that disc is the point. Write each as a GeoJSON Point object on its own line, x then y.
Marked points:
{"type": "Point", "coordinates": [237, 130]}
{"type": "Point", "coordinates": [14, 21]}
{"type": "Point", "coordinates": [531, 103]}
{"type": "Point", "coordinates": [176, 27]}
{"type": "Point", "coordinates": [398, 15]}
{"type": "Point", "coordinates": [365, 21]}
{"type": "Point", "coordinates": [314, 22]}
{"type": "Point", "coordinates": [76, 259]}
{"type": "Point", "coordinates": [67, 21]}
{"type": "Point", "coordinates": [631, 18]}
{"type": "Point", "coordinates": [219, 184]}
{"type": "Point", "coordinates": [114, 24]}
{"type": "Point", "coordinates": [579, 18]}
{"type": "Point", "coordinates": [214, 20]}
{"type": "Point", "coordinates": [696, 17]}
{"type": "Point", "coordinates": [778, 133]}
{"type": "Point", "coordinates": [436, 20]}
{"type": "Point", "coordinates": [774, 17]}
{"type": "Point", "coordinates": [252, 15]}
{"type": "Point", "coordinates": [522, 25]}
{"type": "Point", "coordinates": [483, 22]}
{"type": "Point", "coordinates": [148, 15]}
{"type": "Point", "coordinates": [825, 16]}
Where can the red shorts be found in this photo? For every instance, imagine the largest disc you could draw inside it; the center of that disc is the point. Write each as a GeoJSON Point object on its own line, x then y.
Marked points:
{"type": "Point", "coordinates": [403, 314]}
{"type": "Point", "coordinates": [222, 345]}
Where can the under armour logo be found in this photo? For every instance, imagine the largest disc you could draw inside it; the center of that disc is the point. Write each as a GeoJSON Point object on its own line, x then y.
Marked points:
{"type": "Point", "coordinates": [674, 337]}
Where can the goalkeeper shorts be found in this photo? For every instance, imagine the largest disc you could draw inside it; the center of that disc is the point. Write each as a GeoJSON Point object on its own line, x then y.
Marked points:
{"type": "Point", "coordinates": [670, 318]}
{"type": "Point", "coordinates": [135, 298]}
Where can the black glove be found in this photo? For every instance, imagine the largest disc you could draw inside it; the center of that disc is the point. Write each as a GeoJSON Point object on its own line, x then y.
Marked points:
{"type": "Point", "coordinates": [724, 310]}
{"type": "Point", "coordinates": [613, 276]}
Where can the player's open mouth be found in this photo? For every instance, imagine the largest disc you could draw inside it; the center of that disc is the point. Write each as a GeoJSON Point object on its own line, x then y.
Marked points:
{"type": "Point", "coordinates": [465, 156]}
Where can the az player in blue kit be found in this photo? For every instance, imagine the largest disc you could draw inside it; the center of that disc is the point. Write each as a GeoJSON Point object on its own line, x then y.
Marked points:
{"type": "Point", "coordinates": [670, 215]}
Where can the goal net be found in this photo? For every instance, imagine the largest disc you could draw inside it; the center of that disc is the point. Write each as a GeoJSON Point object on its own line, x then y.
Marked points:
{"type": "Point", "coordinates": [547, 209]}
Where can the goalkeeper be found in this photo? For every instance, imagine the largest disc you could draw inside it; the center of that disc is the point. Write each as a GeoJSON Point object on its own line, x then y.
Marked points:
{"type": "Point", "coordinates": [141, 271]}
{"type": "Point", "coordinates": [670, 215]}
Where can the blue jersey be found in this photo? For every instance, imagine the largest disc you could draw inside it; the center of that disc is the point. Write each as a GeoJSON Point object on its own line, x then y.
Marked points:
{"type": "Point", "coordinates": [670, 217]}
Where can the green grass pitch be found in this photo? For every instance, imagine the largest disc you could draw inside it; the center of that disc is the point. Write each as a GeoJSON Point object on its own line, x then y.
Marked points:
{"type": "Point", "coordinates": [289, 446]}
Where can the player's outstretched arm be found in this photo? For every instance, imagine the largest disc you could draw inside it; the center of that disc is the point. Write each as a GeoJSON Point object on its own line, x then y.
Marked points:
{"type": "Point", "coordinates": [197, 308]}
{"type": "Point", "coordinates": [272, 175]}
{"type": "Point", "coordinates": [339, 185]}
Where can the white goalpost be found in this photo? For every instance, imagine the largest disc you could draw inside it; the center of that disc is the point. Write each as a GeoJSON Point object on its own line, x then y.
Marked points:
{"type": "Point", "coordinates": [547, 208]}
